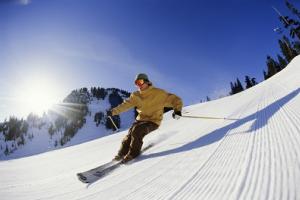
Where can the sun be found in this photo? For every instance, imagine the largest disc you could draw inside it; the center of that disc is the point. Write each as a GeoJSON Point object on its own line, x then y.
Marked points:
{"type": "Point", "coordinates": [39, 98]}
{"type": "Point", "coordinates": [38, 95]}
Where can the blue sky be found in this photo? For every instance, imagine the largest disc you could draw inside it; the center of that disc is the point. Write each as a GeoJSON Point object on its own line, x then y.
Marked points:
{"type": "Point", "coordinates": [192, 48]}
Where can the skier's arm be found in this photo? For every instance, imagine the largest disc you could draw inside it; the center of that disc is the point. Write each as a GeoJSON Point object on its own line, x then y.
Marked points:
{"type": "Point", "coordinates": [131, 102]}
{"type": "Point", "coordinates": [174, 101]}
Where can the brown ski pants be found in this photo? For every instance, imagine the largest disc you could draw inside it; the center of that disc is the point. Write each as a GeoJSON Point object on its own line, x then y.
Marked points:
{"type": "Point", "coordinates": [133, 141]}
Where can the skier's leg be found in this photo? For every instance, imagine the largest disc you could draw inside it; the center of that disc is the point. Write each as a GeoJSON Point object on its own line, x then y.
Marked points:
{"type": "Point", "coordinates": [124, 148]}
{"type": "Point", "coordinates": [126, 143]}
{"type": "Point", "coordinates": [137, 135]}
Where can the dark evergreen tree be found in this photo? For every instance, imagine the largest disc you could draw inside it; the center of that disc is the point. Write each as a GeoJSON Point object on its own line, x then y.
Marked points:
{"type": "Point", "coordinates": [239, 85]}
{"type": "Point", "coordinates": [297, 47]}
{"type": "Point", "coordinates": [125, 93]}
{"type": "Point", "coordinates": [232, 89]}
{"type": "Point", "coordinates": [272, 66]}
{"type": "Point", "coordinates": [21, 141]}
{"type": "Point", "coordinates": [253, 81]}
{"type": "Point", "coordinates": [248, 82]}
{"type": "Point", "coordinates": [289, 23]}
{"type": "Point", "coordinates": [83, 90]}
{"type": "Point", "coordinates": [281, 62]}
{"type": "Point", "coordinates": [292, 8]}
{"type": "Point", "coordinates": [292, 25]}
{"type": "Point", "coordinates": [115, 99]}
{"type": "Point", "coordinates": [290, 49]}
{"type": "Point", "coordinates": [236, 87]}
{"type": "Point", "coordinates": [14, 129]}
{"type": "Point", "coordinates": [236, 90]}
{"type": "Point", "coordinates": [51, 130]}
{"type": "Point", "coordinates": [98, 118]}
{"type": "Point", "coordinates": [70, 131]}
{"type": "Point", "coordinates": [60, 122]}
{"type": "Point", "coordinates": [1, 127]}
{"type": "Point", "coordinates": [6, 151]}
{"type": "Point", "coordinates": [287, 50]}
{"type": "Point", "coordinates": [99, 93]}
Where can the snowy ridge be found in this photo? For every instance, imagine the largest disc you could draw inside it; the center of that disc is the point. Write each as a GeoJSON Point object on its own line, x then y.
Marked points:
{"type": "Point", "coordinates": [256, 157]}
{"type": "Point", "coordinates": [38, 140]}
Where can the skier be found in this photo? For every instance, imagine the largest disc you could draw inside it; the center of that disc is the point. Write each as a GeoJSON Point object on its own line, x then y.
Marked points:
{"type": "Point", "coordinates": [150, 103]}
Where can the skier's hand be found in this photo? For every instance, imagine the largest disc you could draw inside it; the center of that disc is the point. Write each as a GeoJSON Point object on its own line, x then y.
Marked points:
{"type": "Point", "coordinates": [109, 113]}
{"type": "Point", "coordinates": [176, 114]}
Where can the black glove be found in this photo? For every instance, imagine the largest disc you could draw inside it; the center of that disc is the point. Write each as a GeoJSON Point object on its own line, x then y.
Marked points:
{"type": "Point", "coordinates": [176, 113]}
{"type": "Point", "coordinates": [109, 113]}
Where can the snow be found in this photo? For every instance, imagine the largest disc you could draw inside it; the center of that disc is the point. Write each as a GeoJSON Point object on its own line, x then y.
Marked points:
{"type": "Point", "coordinates": [256, 157]}
{"type": "Point", "coordinates": [38, 140]}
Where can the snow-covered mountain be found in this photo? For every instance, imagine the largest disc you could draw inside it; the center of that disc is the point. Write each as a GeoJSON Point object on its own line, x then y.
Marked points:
{"type": "Point", "coordinates": [80, 118]}
{"type": "Point", "coordinates": [255, 157]}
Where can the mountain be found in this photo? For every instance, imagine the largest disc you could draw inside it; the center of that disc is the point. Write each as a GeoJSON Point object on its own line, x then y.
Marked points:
{"type": "Point", "coordinates": [79, 118]}
{"type": "Point", "coordinates": [255, 157]}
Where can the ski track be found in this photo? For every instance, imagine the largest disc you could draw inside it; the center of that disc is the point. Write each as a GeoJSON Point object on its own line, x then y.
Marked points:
{"type": "Point", "coordinates": [200, 179]}
{"type": "Point", "coordinates": [256, 157]}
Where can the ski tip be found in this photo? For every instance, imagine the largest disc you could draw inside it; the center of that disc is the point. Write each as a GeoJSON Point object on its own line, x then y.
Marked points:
{"type": "Point", "coordinates": [82, 178]}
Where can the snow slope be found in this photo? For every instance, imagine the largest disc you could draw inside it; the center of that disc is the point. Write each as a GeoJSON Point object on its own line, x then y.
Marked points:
{"type": "Point", "coordinates": [256, 157]}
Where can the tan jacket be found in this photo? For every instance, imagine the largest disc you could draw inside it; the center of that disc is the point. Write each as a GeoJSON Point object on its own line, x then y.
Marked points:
{"type": "Point", "coordinates": [150, 104]}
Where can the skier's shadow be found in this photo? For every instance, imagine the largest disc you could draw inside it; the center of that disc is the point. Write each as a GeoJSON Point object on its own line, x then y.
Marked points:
{"type": "Point", "coordinates": [260, 119]}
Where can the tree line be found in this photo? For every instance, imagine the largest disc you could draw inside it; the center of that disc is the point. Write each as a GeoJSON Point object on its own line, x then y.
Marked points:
{"type": "Point", "coordinates": [289, 48]}
{"type": "Point", "coordinates": [66, 119]}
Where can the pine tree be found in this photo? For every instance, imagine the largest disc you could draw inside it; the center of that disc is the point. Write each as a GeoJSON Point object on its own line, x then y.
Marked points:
{"type": "Point", "coordinates": [51, 130]}
{"type": "Point", "coordinates": [240, 87]}
{"type": "Point", "coordinates": [292, 25]}
{"type": "Point", "coordinates": [232, 89]}
{"type": "Point", "coordinates": [98, 118]}
{"type": "Point", "coordinates": [236, 87]}
{"type": "Point", "coordinates": [282, 62]}
{"type": "Point", "coordinates": [292, 8]}
{"type": "Point", "coordinates": [287, 50]}
{"type": "Point", "coordinates": [289, 23]}
{"type": "Point", "coordinates": [265, 75]}
{"type": "Point", "coordinates": [6, 151]}
{"type": "Point", "coordinates": [253, 81]}
{"type": "Point", "coordinates": [21, 141]}
{"type": "Point", "coordinates": [272, 66]}
{"type": "Point", "coordinates": [248, 82]}
{"type": "Point", "coordinates": [297, 47]}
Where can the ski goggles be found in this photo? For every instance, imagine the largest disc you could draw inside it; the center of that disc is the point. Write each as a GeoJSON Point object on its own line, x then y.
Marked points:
{"type": "Point", "coordinates": [139, 82]}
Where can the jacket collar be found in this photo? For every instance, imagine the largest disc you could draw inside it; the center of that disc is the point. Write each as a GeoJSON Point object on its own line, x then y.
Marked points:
{"type": "Point", "coordinates": [147, 90]}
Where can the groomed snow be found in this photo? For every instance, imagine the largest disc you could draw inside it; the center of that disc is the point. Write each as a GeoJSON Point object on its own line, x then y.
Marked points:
{"type": "Point", "coordinates": [256, 157]}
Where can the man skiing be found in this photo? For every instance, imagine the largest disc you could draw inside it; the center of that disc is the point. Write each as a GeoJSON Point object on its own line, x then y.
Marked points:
{"type": "Point", "coordinates": [150, 103]}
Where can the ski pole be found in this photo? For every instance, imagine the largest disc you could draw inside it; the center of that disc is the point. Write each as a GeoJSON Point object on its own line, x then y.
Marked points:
{"type": "Point", "coordinates": [203, 117]}
{"type": "Point", "coordinates": [112, 121]}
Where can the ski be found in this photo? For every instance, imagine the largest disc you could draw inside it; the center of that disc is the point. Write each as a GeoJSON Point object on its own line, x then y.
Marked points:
{"type": "Point", "coordinates": [101, 171]}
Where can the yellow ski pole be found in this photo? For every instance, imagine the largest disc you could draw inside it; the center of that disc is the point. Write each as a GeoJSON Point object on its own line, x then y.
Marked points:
{"type": "Point", "coordinates": [203, 117]}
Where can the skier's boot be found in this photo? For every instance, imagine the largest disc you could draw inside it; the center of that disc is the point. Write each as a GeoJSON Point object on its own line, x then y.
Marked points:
{"type": "Point", "coordinates": [127, 158]}
{"type": "Point", "coordinates": [118, 158]}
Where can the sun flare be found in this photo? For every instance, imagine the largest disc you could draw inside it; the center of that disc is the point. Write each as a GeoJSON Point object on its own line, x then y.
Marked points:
{"type": "Point", "coordinates": [38, 96]}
